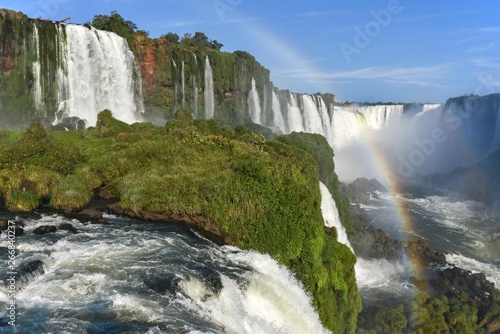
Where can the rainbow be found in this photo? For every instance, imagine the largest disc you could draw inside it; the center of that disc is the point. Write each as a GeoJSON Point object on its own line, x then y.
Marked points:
{"type": "Point", "coordinates": [302, 67]}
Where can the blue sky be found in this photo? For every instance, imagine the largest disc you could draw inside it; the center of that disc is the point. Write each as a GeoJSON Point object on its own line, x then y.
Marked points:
{"type": "Point", "coordinates": [394, 50]}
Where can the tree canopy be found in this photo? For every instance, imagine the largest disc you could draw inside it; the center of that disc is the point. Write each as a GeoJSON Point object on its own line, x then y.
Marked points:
{"type": "Point", "coordinates": [117, 24]}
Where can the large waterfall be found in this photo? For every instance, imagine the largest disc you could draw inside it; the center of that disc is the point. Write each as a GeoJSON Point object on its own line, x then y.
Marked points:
{"type": "Point", "coordinates": [88, 71]}
{"type": "Point", "coordinates": [100, 73]}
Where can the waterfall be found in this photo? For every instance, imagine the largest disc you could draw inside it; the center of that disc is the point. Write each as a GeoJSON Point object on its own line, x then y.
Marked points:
{"type": "Point", "coordinates": [100, 74]}
{"type": "Point", "coordinates": [254, 104]}
{"type": "Point", "coordinates": [347, 126]}
{"type": "Point", "coordinates": [37, 75]}
{"type": "Point", "coordinates": [331, 215]}
{"type": "Point", "coordinates": [279, 122]}
{"type": "Point", "coordinates": [183, 85]}
{"type": "Point", "coordinates": [209, 90]}
{"type": "Point", "coordinates": [312, 119]}
{"type": "Point", "coordinates": [295, 122]}
{"type": "Point", "coordinates": [381, 116]}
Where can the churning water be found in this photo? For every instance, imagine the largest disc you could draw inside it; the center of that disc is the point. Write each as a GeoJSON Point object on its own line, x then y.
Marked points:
{"type": "Point", "coordinates": [136, 277]}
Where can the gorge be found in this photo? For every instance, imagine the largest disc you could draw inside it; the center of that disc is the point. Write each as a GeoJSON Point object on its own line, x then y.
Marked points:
{"type": "Point", "coordinates": [45, 77]}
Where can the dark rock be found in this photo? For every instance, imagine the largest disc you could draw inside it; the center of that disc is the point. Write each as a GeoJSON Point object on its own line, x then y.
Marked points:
{"type": "Point", "coordinates": [420, 252]}
{"type": "Point", "coordinates": [421, 284]}
{"type": "Point", "coordinates": [68, 227]}
{"type": "Point", "coordinates": [4, 224]}
{"type": "Point", "coordinates": [99, 222]}
{"type": "Point", "coordinates": [168, 283]}
{"type": "Point", "coordinates": [18, 231]}
{"type": "Point", "coordinates": [45, 229]}
{"type": "Point", "coordinates": [207, 228]}
{"type": "Point", "coordinates": [85, 216]}
{"type": "Point", "coordinates": [454, 281]}
{"type": "Point", "coordinates": [28, 272]}
{"type": "Point", "coordinates": [331, 231]}
{"type": "Point", "coordinates": [362, 189]}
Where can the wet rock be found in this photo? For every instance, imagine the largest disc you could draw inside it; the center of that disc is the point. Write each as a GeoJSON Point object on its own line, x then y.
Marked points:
{"type": "Point", "coordinates": [420, 252]}
{"type": "Point", "coordinates": [28, 272]}
{"type": "Point", "coordinates": [85, 216]}
{"type": "Point", "coordinates": [330, 230]}
{"type": "Point", "coordinates": [45, 229]}
{"type": "Point", "coordinates": [168, 283]}
{"type": "Point", "coordinates": [18, 230]}
{"type": "Point", "coordinates": [4, 224]}
{"type": "Point", "coordinates": [68, 227]}
{"type": "Point", "coordinates": [362, 189]}
{"type": "Point", "coordinates": [454, 281]}
{"type": "Point", "coordinates": [99, 222]}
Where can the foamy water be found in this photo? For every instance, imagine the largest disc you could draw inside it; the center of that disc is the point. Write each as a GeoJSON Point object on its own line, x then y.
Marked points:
{"type": "Point", "coordinates": [151, 278]}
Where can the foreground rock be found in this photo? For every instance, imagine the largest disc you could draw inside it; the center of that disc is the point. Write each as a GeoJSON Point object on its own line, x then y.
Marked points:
{"type": "Point", "coordinates": [45, 229]}
{"type": "Point", "coordinates": [420, 252]}
{"type": "Point", "coordinates": [28, 272]}
{"type": "Point", "coordinates": [87, 216]}
{"type": "Point", "coordinates": [362, 190]}
{"type": "Point", "coordinates": [201, 224]}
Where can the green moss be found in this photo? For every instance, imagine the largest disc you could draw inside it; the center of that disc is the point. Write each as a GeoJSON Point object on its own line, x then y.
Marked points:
{"type": "Point", "coordinates": [22, 201]}
{"type": "Point", "coordinates": [70, 194]}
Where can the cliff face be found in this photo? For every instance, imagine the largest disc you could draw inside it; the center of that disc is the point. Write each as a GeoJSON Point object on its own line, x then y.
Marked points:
{"type": "Point", "coordinates": [30, 56]}
{"type": "Point", "coordinates": [176, 75]}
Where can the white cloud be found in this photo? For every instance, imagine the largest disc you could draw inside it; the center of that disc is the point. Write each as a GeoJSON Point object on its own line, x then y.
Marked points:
{"type": "Point", "coordinates": [483, 48]}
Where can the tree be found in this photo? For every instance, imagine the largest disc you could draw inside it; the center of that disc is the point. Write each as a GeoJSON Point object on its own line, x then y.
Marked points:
{"type": "Point", "coordinates": [117, 24]}
{"type": "Point", "coordinates": [201, 39]}
{"type": "Point", "coordinates": [171, 38]}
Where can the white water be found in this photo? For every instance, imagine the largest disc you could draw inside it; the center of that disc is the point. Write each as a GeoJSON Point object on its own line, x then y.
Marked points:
{"type": "Point", "coordinates": [152, 277]}
{"type": "Point", "coordinates": [294, 116]}
{"type": "Point", "coordinates": [279, 121]}
{"type": "Point", "coordinates": [491, 271]}
{"type": "Point", "coordinates": [101, 73]}
{"type": "Point", "coordinates": [209, 103]}
{"type": "Point", "coordinates": [183, 85]}
{"type": "Point", "coordinates": [254, 104]}
{"type": "Point", "coordinates": [331, 215]}
{"type": "Point", "coordinates": [272, 302]}
{"type": "Point", "coordinates": [37, 75]}
{"type": "Point", "coordinates": [313, 122]}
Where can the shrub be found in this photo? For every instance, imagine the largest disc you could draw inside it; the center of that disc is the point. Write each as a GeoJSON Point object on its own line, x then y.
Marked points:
{"type": "Point", "coordinates": [70, 193]}
{"type": "Point", "coordinates": [22, 201]}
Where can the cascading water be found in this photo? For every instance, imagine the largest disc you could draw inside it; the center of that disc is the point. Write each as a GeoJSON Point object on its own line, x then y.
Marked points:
{"type": "Point", "coordinates": [331, 215]}
{"type": "Point", "coordinates": [254, 104]}
{"type": "Point", "coordinates": [100, 73]}
{"type": "Point", "coordinates": [37, 75]}
{"type": "Point", "coordinates": [183, 84]}
{"type": "Point", "coordinates": [279, 122]}
{"type": "Point", "coordinates": [312, 120]}
{"type": "Point", "coordinates": [381, 116]}
{"type": "Point", "coordinates": [209, 105]}
{"type": "Point", "coordinates": [295, 122]}
{"type": "Point", "coordinates": [138, 277]}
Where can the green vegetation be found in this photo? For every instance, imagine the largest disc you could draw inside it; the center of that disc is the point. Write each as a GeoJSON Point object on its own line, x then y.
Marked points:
{"type": "Point", "coordinates": [117, 24]}
{"type": "Point", "coordinates": [262, 194]}
{"type": "Point", "coordinates": [431, 315]}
